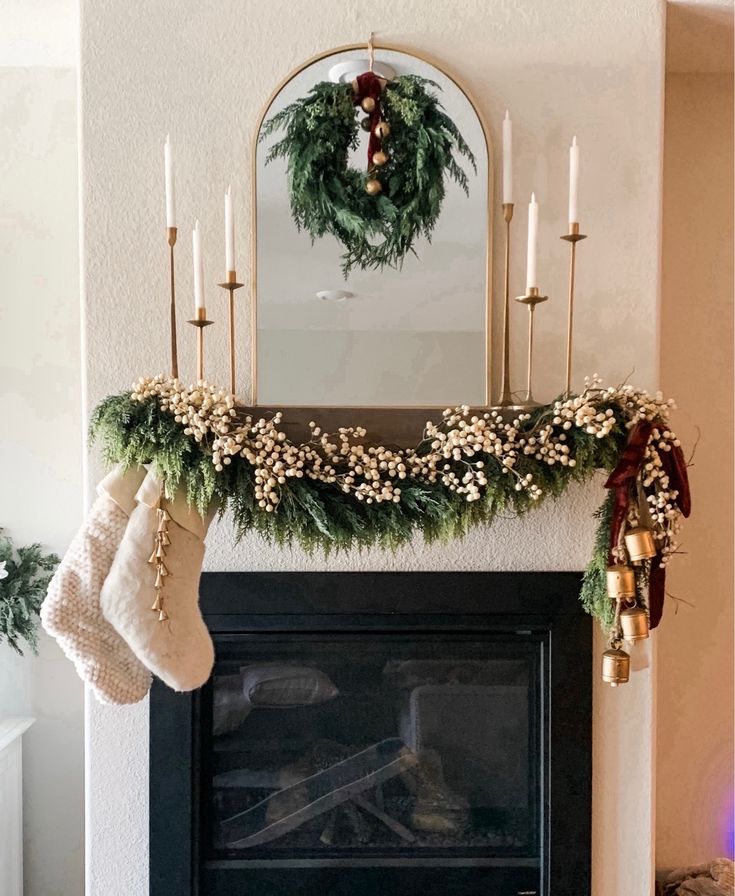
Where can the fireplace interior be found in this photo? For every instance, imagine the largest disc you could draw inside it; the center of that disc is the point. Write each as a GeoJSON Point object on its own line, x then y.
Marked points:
{"type": "Point", "coordinates": [379, 733]}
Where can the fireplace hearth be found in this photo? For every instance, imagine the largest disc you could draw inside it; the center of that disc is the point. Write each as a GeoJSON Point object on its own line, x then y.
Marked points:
{"type": "Point", "coordinates": [389, 733]}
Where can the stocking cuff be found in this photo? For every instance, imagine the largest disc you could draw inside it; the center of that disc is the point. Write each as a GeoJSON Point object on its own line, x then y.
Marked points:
{"type": "Point", "coordinates": [181, 512]}
{"type": "Point", "coordinates": [121, 485]}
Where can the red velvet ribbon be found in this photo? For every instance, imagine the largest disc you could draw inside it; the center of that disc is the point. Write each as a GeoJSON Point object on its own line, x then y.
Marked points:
{"type": "Point", "coordinates": [623, 477]}
{"type": "Point", "coordinates": [368, 85]}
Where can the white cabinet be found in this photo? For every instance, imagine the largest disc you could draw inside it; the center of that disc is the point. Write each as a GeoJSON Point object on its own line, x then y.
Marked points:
{"type": "Point", "coordinates": [11, 805]}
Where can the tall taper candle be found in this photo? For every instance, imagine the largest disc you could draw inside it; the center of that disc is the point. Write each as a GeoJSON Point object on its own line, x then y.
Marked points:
{"type": "Point", "coordinates": [532, 244]}
{"type": "Point", "coordinates": [168, 167]}
{"type": "Point", "coordinates": [229, 232]}
{"type": "Point", "coordinates": [196, 239]}
{"type": "Point", "coordinates": [507, 159]}
{"type": "Point", "coordinates": [573, 183]}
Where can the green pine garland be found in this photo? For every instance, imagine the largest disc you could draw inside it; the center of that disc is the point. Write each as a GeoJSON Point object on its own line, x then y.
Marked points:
{"type": "Point", "coordinates": [200, 442]}
{"type": "Point", "coordinates": [328, 197]}
{"type": "Point", "coordinates": [28, 571]}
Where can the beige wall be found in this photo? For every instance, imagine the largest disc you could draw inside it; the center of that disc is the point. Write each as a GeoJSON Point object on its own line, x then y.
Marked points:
{"type": "Point", "coordinates": [695, 644]}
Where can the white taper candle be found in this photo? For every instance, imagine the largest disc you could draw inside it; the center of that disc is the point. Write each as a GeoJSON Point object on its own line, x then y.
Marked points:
{"type": "Point", "coordinates": [574, 182]}
{"type": "Point", "coordinates": [196, 239]}
{"type": "Point", "coordinates": [507, 159]}
{"type": "Point", "coordinates": [531, 277]}
{"type": "Point", "coordinates": [168, 167]}
{"type": "Point", "coordinates": [229, 232]}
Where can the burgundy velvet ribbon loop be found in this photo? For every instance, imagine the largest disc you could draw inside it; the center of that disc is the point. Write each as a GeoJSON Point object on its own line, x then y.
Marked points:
{"type": "Point", "coordinates": [369, 85]}
{"type": "Point", "coordinates": [623, 477]}
{"type": "Point", "coordinates": [625, 473]}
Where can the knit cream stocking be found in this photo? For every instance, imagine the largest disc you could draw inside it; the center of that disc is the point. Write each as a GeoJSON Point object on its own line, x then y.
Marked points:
{"type": "Point", "coordinates": [151, 595]}
{"type": "Point", "coordinates": [71, 612]}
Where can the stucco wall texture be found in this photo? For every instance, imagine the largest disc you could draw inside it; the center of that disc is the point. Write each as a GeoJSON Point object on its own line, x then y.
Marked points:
{"type": "Point", "coordinates": [202, 72]}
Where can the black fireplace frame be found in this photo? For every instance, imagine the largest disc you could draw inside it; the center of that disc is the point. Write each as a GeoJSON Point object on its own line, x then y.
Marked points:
{"type": "Point", "coordinates": [427, 602]}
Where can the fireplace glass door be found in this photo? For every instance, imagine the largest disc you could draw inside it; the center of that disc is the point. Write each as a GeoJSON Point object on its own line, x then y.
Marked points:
{"type": "Point", "coordinates": [404, 749]}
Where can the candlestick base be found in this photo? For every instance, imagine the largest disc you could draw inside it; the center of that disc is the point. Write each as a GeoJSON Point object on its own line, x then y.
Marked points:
{"type": "Point", "coordinates": [574, 236]}
{"type": "Point", "coordinates": [532, 298]}
{"type": "Point", "coordinates": [231, 285]}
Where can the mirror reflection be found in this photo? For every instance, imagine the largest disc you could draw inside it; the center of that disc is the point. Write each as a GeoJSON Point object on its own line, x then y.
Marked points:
{"type": "Point", "coordinates": [413, 335]}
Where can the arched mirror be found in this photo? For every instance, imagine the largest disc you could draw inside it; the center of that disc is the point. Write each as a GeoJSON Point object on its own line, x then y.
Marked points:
{"type": "Point", "coordinates": [411, 335]}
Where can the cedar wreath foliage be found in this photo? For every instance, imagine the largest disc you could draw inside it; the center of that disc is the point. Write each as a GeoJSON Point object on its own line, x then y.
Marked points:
{"type": "Point", "coordinates": [328, 197]}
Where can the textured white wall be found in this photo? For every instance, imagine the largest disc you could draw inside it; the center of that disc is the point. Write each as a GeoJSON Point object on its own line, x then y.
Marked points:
{"type": "Point", "coordinates": [202, 72]}
{"type": "Point", "coordinates": [41, 451]}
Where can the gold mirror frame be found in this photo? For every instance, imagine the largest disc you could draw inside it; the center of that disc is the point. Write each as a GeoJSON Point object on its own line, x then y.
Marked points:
{"type": "Point", "coordinates": [374, 413]}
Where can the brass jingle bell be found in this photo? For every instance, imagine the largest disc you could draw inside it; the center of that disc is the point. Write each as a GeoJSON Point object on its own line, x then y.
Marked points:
{"type": "Point", "coordinates": [620, 582]}
{"type": "Point", "coordinates": [615, 666]}
{"type": "Point", "coordinates": [640, 544]}
{"type": "Point", "coordinates": [634, 623]}
{"type": "Point", "coordinates": [382, 130]}
{"type": "Point", "coordinates": [373, 187]}
{"type": "Point", "coordinates": [365, 123]}
{"type": "Point", "coordinates": [380, 157]}
{"type": "Point", "coordinates": [368, 104]}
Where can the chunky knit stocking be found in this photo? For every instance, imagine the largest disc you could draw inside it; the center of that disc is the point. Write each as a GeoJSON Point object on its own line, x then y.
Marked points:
{"type": "Point", "coordinates": [71, 612]}
{"type": "Point", "coordinates": [151, 595]}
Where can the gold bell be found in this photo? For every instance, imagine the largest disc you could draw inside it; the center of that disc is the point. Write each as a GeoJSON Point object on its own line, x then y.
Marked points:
{"type": "Point", "coordinates": [373, 187]}
{"type": "Point", "coordinates": [368, 104]}
{"type": "Point", "coordinates": [159, 579]}
{"type": "Point", "coordinates": [620, 582]}
{"type": "Point", "coordinates": [162, 568]}
{"type": "Point", "coordinates": [153, 558]}
{"type": "Point", "coordinates": [380, 157]}
{"type": "Point", "coordinates": [158, 603]}
{"type": "Point", "coordinates": [615, 666]}
{"type": "Point", "coordinates": [382, 129]}
{"type": "Point", "coordinates": [640, 544]}
{"type": "Point", "coordinates": [164, 539]}
{"type": "Point", "coordinates": [163, 616]}
{"type": "Point", "coordinates": [634, 623]}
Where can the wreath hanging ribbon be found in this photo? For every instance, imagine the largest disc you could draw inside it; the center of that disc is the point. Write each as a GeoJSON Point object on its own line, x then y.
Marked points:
{"type": "Point", "coordinates": [623, 479]}
{"type": "Point", "coordinates": [369, 86]}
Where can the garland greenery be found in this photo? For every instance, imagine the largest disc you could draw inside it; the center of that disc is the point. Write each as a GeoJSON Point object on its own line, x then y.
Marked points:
{"type": "Point", "coordinates": [329, 197]}
{"type": "Point", "coordinates": [335, 492]}
{"type": "Point", "coordinates": [24, 577]}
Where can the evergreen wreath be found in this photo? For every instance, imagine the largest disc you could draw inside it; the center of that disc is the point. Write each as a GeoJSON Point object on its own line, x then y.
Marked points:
{"type": "Point", "coordinates": [337, 492]}
{"type": "Point", "coordinates": [24, 577]}
{"type": "Point", "coordinates": [329, 197]}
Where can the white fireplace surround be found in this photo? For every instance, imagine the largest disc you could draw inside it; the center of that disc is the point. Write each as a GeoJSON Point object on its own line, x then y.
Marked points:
{"type": "Point", "coordinates": [601, 79]}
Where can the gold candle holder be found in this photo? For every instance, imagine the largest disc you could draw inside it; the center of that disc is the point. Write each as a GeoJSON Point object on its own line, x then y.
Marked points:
{"type": "Point", "coordinates": [505, 399]}
{"type": "Point", "coordinates": [231, 285]}
{"type": "Point", "coordinates": [531, 299]}
{"type": "Point", "coordinates": [573, 237]}
{"type": "Point", "coordinates": [171, 233]}
{"type": "Point", "coordinates": [200, 322]}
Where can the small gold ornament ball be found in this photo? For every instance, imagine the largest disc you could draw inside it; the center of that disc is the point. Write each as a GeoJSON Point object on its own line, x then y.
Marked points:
{"type": "Point", "coordinates": [365, 123]}
{"type": "Point", "coordinates": [373, 187]}
{"type": "Point", "coordinates": [382, 129]}
{"type": "Point", "coordinates": [368, 104]}
{"type": "Point", "coordinates": [380, 157]}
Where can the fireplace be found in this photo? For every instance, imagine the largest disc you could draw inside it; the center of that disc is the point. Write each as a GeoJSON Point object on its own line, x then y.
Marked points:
{"type": "Point", "coordinates": [392, 733]}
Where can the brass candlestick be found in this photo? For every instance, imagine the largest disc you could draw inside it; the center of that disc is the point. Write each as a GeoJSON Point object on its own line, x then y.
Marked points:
{"type": "Point", "coordinates": [171, 239]}
{"type": "Point", "coordinates": [231, 285]}
{"type": "Point", "coordinates": [573, 237]}
{"type": "Point", "coordinates": [200, 322]}
{"type": "Point", "coordinates": [531, 299]}
{"type": "Point", "coordinates": [506, 398]}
